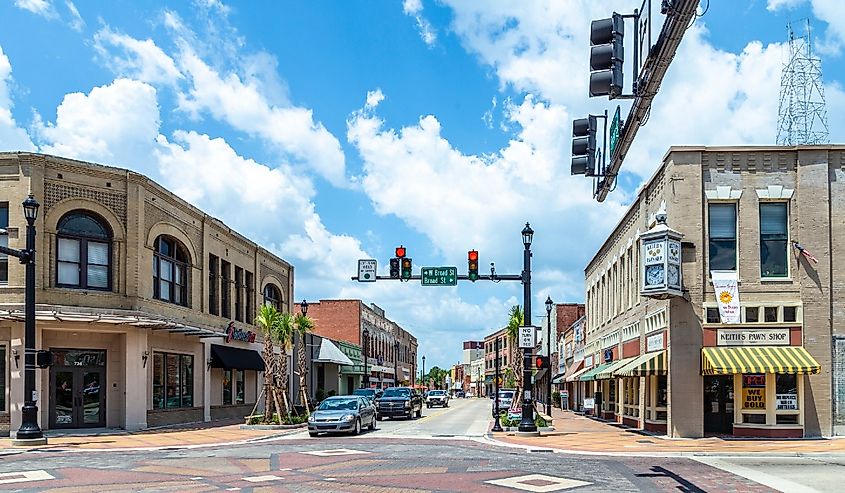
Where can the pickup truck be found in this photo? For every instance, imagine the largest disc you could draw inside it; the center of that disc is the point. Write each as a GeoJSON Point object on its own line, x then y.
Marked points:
{"type": "Point", "coordinates": [400, 402]}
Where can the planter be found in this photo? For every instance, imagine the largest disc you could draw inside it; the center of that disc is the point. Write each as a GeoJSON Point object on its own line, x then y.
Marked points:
{"type": "Point", "coordinates": [273, 427]}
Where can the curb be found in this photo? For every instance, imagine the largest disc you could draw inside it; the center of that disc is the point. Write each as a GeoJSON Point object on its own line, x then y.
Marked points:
{"type": "Point", "coordinates": [273, 427]}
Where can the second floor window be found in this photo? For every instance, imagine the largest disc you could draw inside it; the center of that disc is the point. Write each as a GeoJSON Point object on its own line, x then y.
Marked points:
{"type": "Point", "coordinates": [170, 271]}
{"type": "Point", "coordinates": [83, 252]}
{"type": "Point", "coordinates": [272, 296]}
{"type": "Point", "coordinates": [722, 231]}
{"type": "Point", "coordinates": [4, 240]}
{"type": "Point", "coordinates": [773, 239]}
{"type": "Point", "coordinates": [225, 289]}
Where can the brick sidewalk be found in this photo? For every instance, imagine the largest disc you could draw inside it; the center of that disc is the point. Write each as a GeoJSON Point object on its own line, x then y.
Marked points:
{"type": "Point", "coordinates": [579, 434]}
{"type": "Point", "coordinates": [200, 434]}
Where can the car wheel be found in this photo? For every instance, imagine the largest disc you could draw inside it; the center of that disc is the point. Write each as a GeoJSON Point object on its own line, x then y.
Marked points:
{"type": "Point", "coordinates": [378, 417]}
{"type": "Point", "coordinates": [312, 434]}
{"type": "Point", "coordinates": [419, 412]}
{"type": "Point", "coordinates": [357, 429]}
{"type": "Point", "coordinates": [372, 424]}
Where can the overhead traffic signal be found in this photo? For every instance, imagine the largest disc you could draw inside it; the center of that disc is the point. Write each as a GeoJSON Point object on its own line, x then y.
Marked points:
{"type": "Point", "coordinates": [400, 251]}
{"type": "Point", "coordinates": [584, 146]}
{"type": "Point", "coordinates": [394, 268]}
{"type": "Point", "coordinates": [541, 362]}
{"type": "Point", "coordinates": [606, 55]}
{"type": "Point", "coordinates": [472, 265]}
{"type": "Point", "coordinates": [406, 268]}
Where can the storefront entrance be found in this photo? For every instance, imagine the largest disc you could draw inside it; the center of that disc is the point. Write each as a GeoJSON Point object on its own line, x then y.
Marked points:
{"type": "Point", "coordinates": [718, 404]}
{"type": "Point", "coordinates": [77, 393]}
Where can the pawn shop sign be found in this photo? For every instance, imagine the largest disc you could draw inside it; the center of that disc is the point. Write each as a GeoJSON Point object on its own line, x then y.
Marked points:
{"type": "Point", "coordinates": [367, 270]}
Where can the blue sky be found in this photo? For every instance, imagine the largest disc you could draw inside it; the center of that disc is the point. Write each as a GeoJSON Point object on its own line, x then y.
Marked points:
{"type": "Point", "coordinates": [347, 128]}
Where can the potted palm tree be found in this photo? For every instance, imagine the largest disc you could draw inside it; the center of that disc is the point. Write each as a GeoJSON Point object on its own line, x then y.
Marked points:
{"type": "Point", "coordinates": [516, 319]}
{"type": "Point", "coordinates": [303, 325]}
{"type": "Point", "coordinates": [268, 320]}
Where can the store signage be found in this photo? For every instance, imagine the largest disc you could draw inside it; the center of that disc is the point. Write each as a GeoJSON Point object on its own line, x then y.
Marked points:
{"type": "Point", "coordinates": [589, 403]}
{"type": "Point", "coordinates": [727, 296]}
{"type": "Point", "coordinates": [235, 334]}
{"type": "Point", "coordinates": [787, 401]}
{"type": "Point", "coordinates": [754, 391]}
{"type": "Point", "coordinates": [752, 337]}
{"type": "Point", "coordinates": [608, 355]}
{"type": "Point", "coordinates": [655, 342]}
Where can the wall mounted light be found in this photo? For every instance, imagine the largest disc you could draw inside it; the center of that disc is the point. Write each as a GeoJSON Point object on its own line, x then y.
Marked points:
{"type": "Point", "coordinates": [144, 358]}
{"type": "Point", "coordinates": [209, 362]}
{"type": "Point", "coordinates": [17, 357]}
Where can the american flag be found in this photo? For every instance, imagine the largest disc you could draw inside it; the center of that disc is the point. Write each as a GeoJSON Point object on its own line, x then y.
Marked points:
{"type": "Point", "coordinates": [804, 252]}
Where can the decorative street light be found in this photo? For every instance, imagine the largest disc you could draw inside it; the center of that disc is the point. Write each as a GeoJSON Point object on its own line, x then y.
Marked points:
{"type": "Point", "coordinates": [303, 307]}
{"type": "Point", "coordinates": [549, 305]}
{"type": "Point", "coordinates": [366, 334]}
{"type": "Point", "coordinates": [29, 432]}
{"type": "Point", "coordinates": [396, 363]}
{"type": "Point", "coordinates": [496, 425]}
{"type": "Point", "coordinates": [527, 422]}
{"type": "Point", "coordinates": [422, 375]}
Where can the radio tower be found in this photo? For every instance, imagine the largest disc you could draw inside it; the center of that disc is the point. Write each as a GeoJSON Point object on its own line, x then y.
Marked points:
{"type": "Point", "coordinates": [802, 115]}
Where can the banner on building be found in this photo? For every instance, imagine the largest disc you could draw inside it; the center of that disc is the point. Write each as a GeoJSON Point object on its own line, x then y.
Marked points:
{"type": "Point", "coordinates": [727, 296]}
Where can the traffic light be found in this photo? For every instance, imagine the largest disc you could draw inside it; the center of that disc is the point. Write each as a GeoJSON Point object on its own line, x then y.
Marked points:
{"type": "Point", "coordinates": [43, 358]}
{"type": "Point", "coordinates": [394, 268]}
{"type": "Point", "coordinates": [541, 362]}
{"type": "Point", "coordinates": [606, 55]}
{"type": "Point", "coordinates": [406, 268]}
{"type": "Point", "coordinates": [472, 265]}
{"type": "Point", "coordinates": [400, 251]}
{"type": "Point", "coordinates": [584, 146]}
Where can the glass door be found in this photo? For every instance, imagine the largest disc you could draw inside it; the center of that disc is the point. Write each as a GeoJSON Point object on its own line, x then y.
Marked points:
{"type": "Point", "coordinates": [718, 404]}
{"type": "Point", "coordinates": [64, 398]}
{"type": "Point", "coordinates": [92, 399]}
{"type": "Point", "coordinates": [78, 397]}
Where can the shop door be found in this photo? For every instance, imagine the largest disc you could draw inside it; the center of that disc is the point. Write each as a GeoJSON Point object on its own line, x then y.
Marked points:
{"type": "Point", "coordinates": [78, 397]}
{"type": "Point", "coordinates": [718, 404]}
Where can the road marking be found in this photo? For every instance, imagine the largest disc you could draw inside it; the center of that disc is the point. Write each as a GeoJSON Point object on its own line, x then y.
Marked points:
{"type": "Point", "coordinates": [538, 483]}
{"type": "Point", "coordinates": [335, 452]}
{"type": "Point", "coordinates": [260, 479]}
{"type": "Point", "coordinates": [24, 476]}
{"type": "Point", "coordinates": [197, 478]}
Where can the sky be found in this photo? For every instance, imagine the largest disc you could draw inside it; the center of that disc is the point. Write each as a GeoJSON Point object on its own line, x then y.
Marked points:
{"type": "Point", "coordinates": [332, 131]}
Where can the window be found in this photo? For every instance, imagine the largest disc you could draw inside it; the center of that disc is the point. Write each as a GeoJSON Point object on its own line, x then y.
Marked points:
{"type": "Point", "coordinates": [752, 314]}
{"type": "Point", "coordinates": [227, 387]}
{"type": "Point", "coordinates": [213, 302]}
{"type": "Point", "coordinates": [83, 252]}
{"type": "Point", "coordinates": [170, 271]}
{"type": "Point", "coordinates": [173, 380]}
{"type": "Point", "coordinates": [239, 386]}
{"type": "Point", "coordinates": [225, 289]}
{"type": "Point", "coordinates": [786, 391]}
{"type": "Point", "coordinates": [239, 294]}
{"type": "Point", "coordinates": [662, 393]}
{"type": "Point", "coordinates": [250, 297]}
{"type": "Point", "coordinates": [790, 314]}
{"type": "Point", "coordinates": [722, 230]}
{"type": "Point", "coordinates": [4, 240]}
{"type": "Point", "coordinates": [773, 239]}
{"type": "Point", "coordinates": [713, 316]}
{"type": "Point", "coordinates": [272, 296]}
{"type": "Point", "coordinates": [771, 313]}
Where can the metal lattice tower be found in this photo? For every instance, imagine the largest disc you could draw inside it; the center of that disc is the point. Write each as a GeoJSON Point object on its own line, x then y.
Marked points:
{"type": "Point", "coordinates": [802, 113]}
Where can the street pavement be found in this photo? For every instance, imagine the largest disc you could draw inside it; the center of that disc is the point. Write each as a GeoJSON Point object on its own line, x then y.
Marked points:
{"type": "Point", "coordinates": [446, 450]}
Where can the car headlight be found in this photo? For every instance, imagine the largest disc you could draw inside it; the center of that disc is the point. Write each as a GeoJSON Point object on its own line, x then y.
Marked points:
{"type": "Point", "coordinates": [349, 417]}
{"type": "Point", "coordinates": [312, 418]}
{"type": "Point", "coordinates": [407, 404]}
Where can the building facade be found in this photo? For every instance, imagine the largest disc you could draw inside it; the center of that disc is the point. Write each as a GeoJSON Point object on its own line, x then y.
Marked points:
{"type": "Point", "coordinates": [144, 300]}
{"type": "Point", "coordinates": [473, 366]}
{"type": "Point", "coordinates": [490, 356]}
{"type": "Point", "coordinates": [562, 317]}
{"type": "Point", "coordinates": [764, 358]}
{"type": "Point", "coordinates": [391, 350]}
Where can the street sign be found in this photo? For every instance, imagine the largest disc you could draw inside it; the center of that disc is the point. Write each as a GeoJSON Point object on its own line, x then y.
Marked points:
{"type": "Point", "coordinates": [527, 337]}
{"type": "Point", "coordinates": [614, 131]}
{"type": "Point", "coordinates": [367, 270]}
{"type": "Point", "coordinates": [439, 276]}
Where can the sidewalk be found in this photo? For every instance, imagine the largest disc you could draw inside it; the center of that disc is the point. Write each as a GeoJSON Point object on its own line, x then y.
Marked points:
{"type": "Point", "coordinates": [194, 435]}
{"type": "Point", "coordinates": [575, 433]}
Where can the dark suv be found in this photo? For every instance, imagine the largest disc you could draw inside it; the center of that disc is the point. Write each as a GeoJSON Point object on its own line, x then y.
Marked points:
{"type": "Point", "coordinates": [400, 402]}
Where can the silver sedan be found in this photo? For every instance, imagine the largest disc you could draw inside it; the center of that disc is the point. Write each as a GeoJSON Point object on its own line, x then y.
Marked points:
{"type": "Point", "coordinates": [346, 413]}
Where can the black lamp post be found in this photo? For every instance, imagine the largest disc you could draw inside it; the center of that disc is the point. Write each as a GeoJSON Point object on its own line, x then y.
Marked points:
{"type": "Point", "coordinates": [496, 425]}
{"type": "Point", "coordinates": [422, 376]}
{"type": "Point", "coordinates": [527, 422]}
{"type": "Point", "coordinates": [396, 363]}
{"type": "Point", "coordinates": [366, 334]}
{"type": "Point", "coordinates": [303, 307]}
{"type": "Point", "coordinates": [549, 305]}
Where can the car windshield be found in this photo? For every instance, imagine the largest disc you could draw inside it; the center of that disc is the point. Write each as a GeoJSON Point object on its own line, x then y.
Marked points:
{"type": "Point", "coordinates": [506, 395]}
{"type": "Point", "coordinates": [436, 392]}
{"type": "Point", "coordinates": [367, 392]}
{"type": "Point", "coordinates": [396, 393]}
{"type": "Point", "coordinates": [339, 405]}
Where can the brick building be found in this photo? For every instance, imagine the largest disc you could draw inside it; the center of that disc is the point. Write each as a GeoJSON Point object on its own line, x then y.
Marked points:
{"type": "Point", "coordinates": [346, 320]}
{"type": "Point", "coordinates": [490, 355]}
{"type": "Point", "coordinates": [473, 363]}
{"type": "Point", "coordinates": [144, 300]}
{"type": "Point", "coordinates": [563, 316]}
{"type": "Point", "coordinates": [677, 365]}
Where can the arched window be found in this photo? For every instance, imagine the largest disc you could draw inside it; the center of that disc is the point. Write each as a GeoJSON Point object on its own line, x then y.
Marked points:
{"type": "Point", "coordinates": [83, 251]}
{"type": "Point", "coordinates": [272, 296]}
{"type": "Point", "coordinates": [170, 271]}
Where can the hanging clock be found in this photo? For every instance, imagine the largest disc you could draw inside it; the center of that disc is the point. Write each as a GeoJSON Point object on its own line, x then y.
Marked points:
{"type": "Point", "coordinates": [654, 275]}
{"type": "Point", "coordinates": [673, 275]}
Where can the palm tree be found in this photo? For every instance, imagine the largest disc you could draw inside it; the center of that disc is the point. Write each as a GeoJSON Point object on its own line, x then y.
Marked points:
{"type": "Point", "coordinates": [516, 319]}
{"type": "Point", "coordinates": [283, 336]}
{"type": "Point", "coordinates": [303, 325]}
{"type": "Point", "coordinates": [267, 320]}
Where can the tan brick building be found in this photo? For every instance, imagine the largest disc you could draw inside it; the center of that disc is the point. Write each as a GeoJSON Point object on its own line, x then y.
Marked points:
{"type": "Point", "coordinates": [672, 365]}
{"type": "Point", "coordinates": [346, 320]}
{"type": "Point", "coordinates": [144, 300]}
{"type": "Point", "coordinates": [490, 355]}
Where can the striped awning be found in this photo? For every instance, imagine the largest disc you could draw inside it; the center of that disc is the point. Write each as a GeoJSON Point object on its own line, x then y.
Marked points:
{"type": "Point", "coordinates": [608, 372]}
{"type": "Point", "coordinates": [575, 376]}
{"type": "Point", "coordinates": [591, 375]}
{"type": "Point", "coordinates": [730, 360]}
{"type": "Point", "coordinates": [644, 365]}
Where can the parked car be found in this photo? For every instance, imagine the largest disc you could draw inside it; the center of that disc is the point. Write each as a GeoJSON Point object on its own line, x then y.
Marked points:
{"type": "Point", "coordinates": [506, 398]}
{"type": "Point", "coordinates": [347, 413]}
{"type": "Point", "coordinates": [437, 398]}
{"type": "Point", "coordinates": [400, 402]}
{"type": "Point", "coordinates": [460, 394]}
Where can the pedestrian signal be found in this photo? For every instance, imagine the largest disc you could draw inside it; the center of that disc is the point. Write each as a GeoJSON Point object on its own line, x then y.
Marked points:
{"type": "Point", "coordinates": [541, 362]}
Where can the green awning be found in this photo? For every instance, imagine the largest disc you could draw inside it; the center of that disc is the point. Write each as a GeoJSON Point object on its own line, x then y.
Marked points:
{"type": "Point", "coordinates": [591, 375]}
{"type": "Point", "coordinates": [608, 372]}
{"type": "Point", "coordinates": [644, 365]}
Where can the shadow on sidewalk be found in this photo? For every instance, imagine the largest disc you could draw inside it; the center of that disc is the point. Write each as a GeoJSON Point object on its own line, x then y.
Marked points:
{"type": "Point", "coordinates": [684, 485]}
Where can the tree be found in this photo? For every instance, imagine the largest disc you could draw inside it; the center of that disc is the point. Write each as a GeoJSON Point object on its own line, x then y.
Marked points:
{"type": "Point", "coordinates": [268, 320]}
{"type": "Point", "coordinates": [303, 325]}
{"type": "Point", "coordinates": [283, 336]}
{"type": "Point", "coordinates": [516, 319]}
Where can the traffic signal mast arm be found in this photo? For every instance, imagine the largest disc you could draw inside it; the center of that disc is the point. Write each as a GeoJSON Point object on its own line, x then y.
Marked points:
{"type": "Point", "coordinates": [677, 21]}
{"type": "Point", "coordinates": [460, 277]}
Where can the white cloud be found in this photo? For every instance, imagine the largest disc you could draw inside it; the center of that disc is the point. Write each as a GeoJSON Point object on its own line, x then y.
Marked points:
{"type": "Point", "coordinates": [12, 137]}
{"type": "Point", "coordinates": [414, 8]}
{"type": "Point", "coordinates": [76, 21]}
{"type": "Point", "coordinates": [773, 5]}
{"type": "Point", "coordinates": [138, 59]}
{"type": "Point", "coordinates": [828, 11]}
{"type": "Point", "coordinates": [39, 7]}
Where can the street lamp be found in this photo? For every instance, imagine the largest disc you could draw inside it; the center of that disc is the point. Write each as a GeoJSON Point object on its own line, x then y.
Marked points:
{"type": "Point", "coordinates": [366, 334]}
{"type": "Point", "coordinates": [396, 363]}
{"type": "Point", "coordinates": [496, 425]}
{"type": "Point", "coordinates": [303, 307]}
{"type": "Point", "coordinates": [549, 305]}
{"type": "Point", "coordinates": [422, 376]}
{"type": "Point", "coordinates": [527, 422]}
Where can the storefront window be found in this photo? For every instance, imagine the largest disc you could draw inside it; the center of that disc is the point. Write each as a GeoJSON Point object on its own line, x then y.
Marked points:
{"type": "Point", "coordinates": [786, 392]}
{"type": "Point", "coordinates": [662, 394]}
{"type": "Point", "coordinates": [173, 380]}
{"type": "Point", "coordinates": [158, 380]}
{"type": "Point", "coordinates": [227, 387]}
{"type": "Point", "coordinates": [239, 387]}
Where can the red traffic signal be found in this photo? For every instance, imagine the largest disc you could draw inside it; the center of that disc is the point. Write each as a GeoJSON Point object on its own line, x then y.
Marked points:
{"type": "Point", "coordinates": [541, 362]}
{"type": "Point", "coordinates": [472, 265]}
{"type": "Point", "coordinates": [400, 251]}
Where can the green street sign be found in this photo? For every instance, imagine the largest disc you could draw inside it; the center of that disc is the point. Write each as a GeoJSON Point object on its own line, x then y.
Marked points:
{"type": "Point", "coordinates": [614, 131]}
{"type": "Point", "coordinates": [439, 276]}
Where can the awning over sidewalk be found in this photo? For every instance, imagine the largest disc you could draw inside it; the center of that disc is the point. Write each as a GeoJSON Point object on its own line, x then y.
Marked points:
{"type": "Point", "coordinates": [608, 372]}
{"type": "Point", "coordinates": [540, 374]}
{"type": "Point", "coordinates": [591, 375]}
{"type": "Point", "coordinates": [575, 376]}
{"type": "Point", "coordinates": [730, 360]}
{"type": "Point", "coordinates": [572, 370]}
{"type": "Point", "coordinates": [329, 353]}
{"type": "Point", "coordinates": [644, 365]}
{"type": "Point", "coordinates": [558, 378]}
{"type": "Point", "coordinates": [232, 358]}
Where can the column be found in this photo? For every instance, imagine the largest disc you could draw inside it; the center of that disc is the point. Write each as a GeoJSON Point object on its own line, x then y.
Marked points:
{"type": "Point", "coordinates": [206, 380]}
